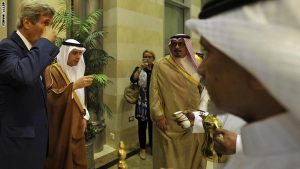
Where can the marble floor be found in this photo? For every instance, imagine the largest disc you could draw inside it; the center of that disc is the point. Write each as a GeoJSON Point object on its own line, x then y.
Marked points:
{"type": "Point", "coordinates": [134, 162]}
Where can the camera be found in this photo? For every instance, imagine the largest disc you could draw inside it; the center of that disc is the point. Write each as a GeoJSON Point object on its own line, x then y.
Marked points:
{"type": "Point", "coordinates": [145, 60]}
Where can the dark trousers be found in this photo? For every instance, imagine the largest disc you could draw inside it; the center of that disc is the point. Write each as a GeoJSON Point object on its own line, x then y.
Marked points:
{"type": "Point", "coordinates": [142, 127]}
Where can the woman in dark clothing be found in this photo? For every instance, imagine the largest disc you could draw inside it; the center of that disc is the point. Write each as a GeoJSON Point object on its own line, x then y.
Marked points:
{"type": "Point", "coordinates": [142, 75]}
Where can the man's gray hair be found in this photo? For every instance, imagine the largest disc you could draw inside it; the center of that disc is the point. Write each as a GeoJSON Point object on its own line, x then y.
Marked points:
{"type": "Point", "coordinates": [32, 10]}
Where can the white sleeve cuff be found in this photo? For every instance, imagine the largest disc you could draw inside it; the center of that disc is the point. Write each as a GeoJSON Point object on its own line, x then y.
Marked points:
{"type": "Point", "coordinates": [87, 114]}
{"type": "Point", "coordinates": [239, 146]}
{"type": "Point", "coordinates": [198, 127]}
{"type": "Point", "coordinates": [204, 98]}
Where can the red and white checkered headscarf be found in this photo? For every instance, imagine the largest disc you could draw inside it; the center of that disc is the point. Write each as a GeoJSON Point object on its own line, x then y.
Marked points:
{"type": "Point", "coordinates": [189, 47]}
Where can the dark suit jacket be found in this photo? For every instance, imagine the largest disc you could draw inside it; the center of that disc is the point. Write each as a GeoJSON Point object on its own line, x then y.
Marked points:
{"type": "Point", "coordinates": [23, 113]}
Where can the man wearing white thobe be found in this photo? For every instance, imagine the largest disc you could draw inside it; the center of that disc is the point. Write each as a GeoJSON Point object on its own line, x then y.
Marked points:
{"type": "Point", "coordinates": [252, 69]}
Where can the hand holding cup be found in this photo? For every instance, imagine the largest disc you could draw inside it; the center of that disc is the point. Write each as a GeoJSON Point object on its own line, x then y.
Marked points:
{"type": "Point", "coordinates": [145, 63]}
{"type": "Point", "coordinates": [182, 120]}
{"type": "Point", "coordinates": [83, 82]}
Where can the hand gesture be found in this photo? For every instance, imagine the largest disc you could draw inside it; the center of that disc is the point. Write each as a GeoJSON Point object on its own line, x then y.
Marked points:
{"type": "Point", "coordinates": [190, 115]}
{"type": "Point", "coordinates": [225, 141]}
{"type": "Point", "coordinates": [49, 33]}
{"type": "Point", "coordinates": [143, 65]}
{"type": "Point", "coordinates": [162, 123]}
{"type": "Point", "coordinates": [83, 82]}
{"type": "Point", "coordinates": [185, 119]}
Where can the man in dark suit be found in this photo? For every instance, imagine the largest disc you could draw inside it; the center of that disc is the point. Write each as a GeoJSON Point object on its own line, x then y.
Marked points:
{"type": "Point", "coordinates": [23, 114]}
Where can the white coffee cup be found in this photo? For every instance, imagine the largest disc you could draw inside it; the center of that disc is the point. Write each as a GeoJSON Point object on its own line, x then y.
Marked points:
{"type": "Point", "coordinates": [178, 114]}
{"type": "Point", "coordinates": [184, 121]}
{"type": "Point", "coordinates": [185, 124]}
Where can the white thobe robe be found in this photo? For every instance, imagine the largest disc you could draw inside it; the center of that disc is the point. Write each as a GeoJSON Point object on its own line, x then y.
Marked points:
{"type": "Point", "coordinates": [273, 143]}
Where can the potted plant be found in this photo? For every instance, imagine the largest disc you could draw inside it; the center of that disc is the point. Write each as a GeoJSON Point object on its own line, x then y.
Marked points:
{"type": "Point", "coordinates": [84, 30]}
{"type": "Point", "coordinates": [89, 136]}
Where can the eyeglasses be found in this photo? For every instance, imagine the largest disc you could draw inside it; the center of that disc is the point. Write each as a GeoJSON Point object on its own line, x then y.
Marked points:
{"type": "Point", "coordinates": [175, 43]}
